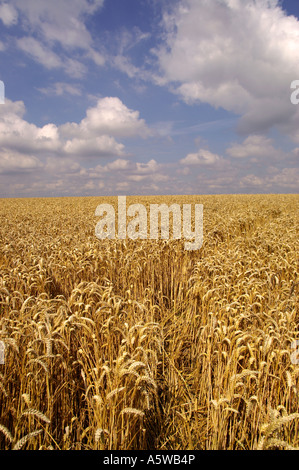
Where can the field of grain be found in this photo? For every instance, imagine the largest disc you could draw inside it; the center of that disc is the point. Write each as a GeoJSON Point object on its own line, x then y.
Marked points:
{"type": "Point", "coordinates": [142, 345]}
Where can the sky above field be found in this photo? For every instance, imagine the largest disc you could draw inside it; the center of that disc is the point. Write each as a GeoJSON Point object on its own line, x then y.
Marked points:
{"type": "Point", "coordinates": [128, 97]}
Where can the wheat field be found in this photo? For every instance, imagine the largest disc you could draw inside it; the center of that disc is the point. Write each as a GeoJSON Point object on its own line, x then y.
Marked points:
{"type": "Point", "coordinates": [136, 345]}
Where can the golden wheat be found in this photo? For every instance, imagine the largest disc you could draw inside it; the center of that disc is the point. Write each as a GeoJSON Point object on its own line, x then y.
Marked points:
{"type": "Point", "coordinates": [139, 344]}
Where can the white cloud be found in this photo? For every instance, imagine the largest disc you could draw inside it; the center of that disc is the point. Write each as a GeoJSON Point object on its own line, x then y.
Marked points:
{"type": "Point", "coordinates": [59, 21]}
{"type": "Point", "coordinates": [113, 117]}
{"type": "Point", "coordinates": [109, 116]}
{"type": "Point", "coordinates": [256, 146]}
{"type": "Point", "coordinates": [58, 166]}
{"type": "Point", "coordinates": [42, 54]}
{"type": "Point", "coordinates": [16, 134]}
{"type": "Point", "coordinates": [122, 186]}
{"type": "Point", "coordinates": [240, 55]}
{"type": "Point", "coordinates": [121, 47]}
{"type": "Point", "coordinates": [134, 172]}
{"type": "Point", "coordinates": [134, 168]}
{"type": "Point", "coordinates": [8, 14]}
{"type": "Point", "coordinates": [251, 180]}
{"type": "Point", "coordinates": [145, 168]}
{"type": "Point", "coordinates": [98, 146]}
{"type": "Point", "coordinates": [61, 88]}
{"type": "Point", "coordinates": [63, 159]}
{"type": "Point", "coordinates": [11, 110]}
{"type": "Point", "coordinates": [119, 164]}
{"type": "Point", "coordinates": [155, 177]}
{"type": "Point", "coordinates": [74, 68]}
{"type": "Point", "coordinates": [136, 178]}
{"type": "Point", "coordinates": [25, 144]}
{"type": "Point", "coordinates": [286, 179]}
{"type": "Point", "coordinates": [48, 24]}
{"type": "Point", "coordinates": [12, 161]}
{"type": "Point", "coordinates": [123, 64]}
{"type": "Point", "coordinates": [90, 185]}
{"type": "Point", "coordinates": [150, 171]}
{"type": "Point", "coordinates": [202, 157]}
{"type": "Point", "coordinates": [98, 58]}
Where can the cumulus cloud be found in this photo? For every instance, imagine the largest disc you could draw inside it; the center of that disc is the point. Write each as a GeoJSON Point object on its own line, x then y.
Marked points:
{"type": "Point", "coordinates": [145, 168]}
{"type": "Point", "coordinates": [64, 158]}
{"type": "Point", "coordinates": [109, 116]}
{"type": "Point", "coordinates": [254, 146]}
{"type": "Point", "coordinates": [15, 162]}
{"type": "Point", "coordinates": [135, 172]}
{"type": "Point", "coordinates": [136, 169]}
{"type": "Point", "coordinates": [59, 166]}
{"type": "Point", "coordinates": [16, 134]}
{"type": "Point", "coordinates": [202, 157]}
{"type": "Point", "coordinates": [251, 180]}
{"type": "Point", "coordinates": [241, 55]}
{"type": "Point", "coordinates": [94, 137]}
{"type": "Point", "coordinates": [104, 146]}
{"type": "Point", "coordinates": [119, 164]}
{"type": "Point", "coordinates": [286, 179]}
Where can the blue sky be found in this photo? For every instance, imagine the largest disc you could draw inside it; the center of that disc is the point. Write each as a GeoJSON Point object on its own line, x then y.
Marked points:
{"type": "Point", "coordinates": [109, 97]}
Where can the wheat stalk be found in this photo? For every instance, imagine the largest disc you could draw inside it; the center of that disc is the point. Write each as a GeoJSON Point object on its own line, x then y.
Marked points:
{"type": "Point", "coordinates": [37, 414]}
{"type": "Point", "coordinates": [19, 444]}
{"type": "Point", "coordinates": [133, 411]}
{"type": "Point", "coordinates": [6, 432]}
